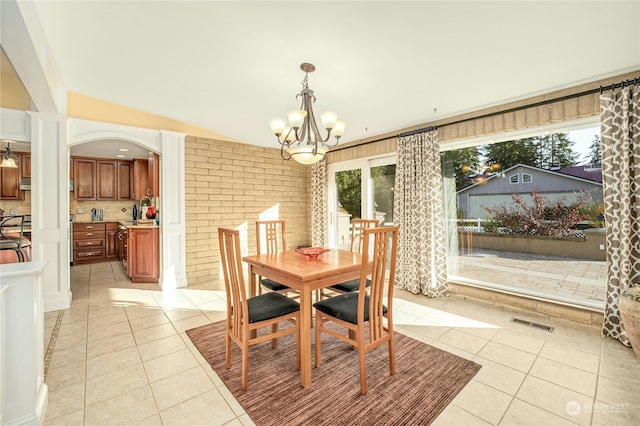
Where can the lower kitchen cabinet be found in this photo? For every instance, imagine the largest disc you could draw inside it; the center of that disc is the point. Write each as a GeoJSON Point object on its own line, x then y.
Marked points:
{"type": "Point", "coordinates": [111, 240]}
{"type": "Point", "coordinates": [143, 259]}
{"type": "Point", "coordinates": [88, 242]}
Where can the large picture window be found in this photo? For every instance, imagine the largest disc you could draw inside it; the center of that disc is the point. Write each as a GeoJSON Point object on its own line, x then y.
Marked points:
{"type": "Point", "coordinates": [528, 216]}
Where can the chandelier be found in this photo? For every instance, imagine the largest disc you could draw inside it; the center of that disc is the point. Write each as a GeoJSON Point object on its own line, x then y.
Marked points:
{"type": "Point", "coordinates": [9, 159]}
{"type": "Point", "coordinates": [300, 138]}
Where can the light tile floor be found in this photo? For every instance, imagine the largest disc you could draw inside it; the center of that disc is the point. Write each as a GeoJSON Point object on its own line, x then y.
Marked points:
{"type": "Point", "coordinates": [122, 357]}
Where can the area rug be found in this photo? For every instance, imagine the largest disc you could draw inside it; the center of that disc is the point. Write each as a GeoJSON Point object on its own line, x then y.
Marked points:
{"type": "Point", "coordinates": [426, 380]}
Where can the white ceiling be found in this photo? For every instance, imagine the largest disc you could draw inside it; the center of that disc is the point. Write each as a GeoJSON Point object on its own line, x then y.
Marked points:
{"type": "Point", "coordinates": [381, 65]}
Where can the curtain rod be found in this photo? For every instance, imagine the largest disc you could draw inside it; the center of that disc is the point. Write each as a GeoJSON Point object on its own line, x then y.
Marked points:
{"type": "Point", "coordinates": [600, 89]}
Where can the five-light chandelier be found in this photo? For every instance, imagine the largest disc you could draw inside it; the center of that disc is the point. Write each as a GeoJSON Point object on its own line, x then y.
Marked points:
{"type": "Point", "coordinates": [300, 138]}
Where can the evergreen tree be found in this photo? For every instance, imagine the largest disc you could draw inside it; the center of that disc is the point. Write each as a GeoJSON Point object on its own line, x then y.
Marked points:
{"type": "Point", "coordinates": [556, 150]}
{"type": "Point", "coordinates": [510, 153]}
{"type": "Point", "coordinates": [595, 150]}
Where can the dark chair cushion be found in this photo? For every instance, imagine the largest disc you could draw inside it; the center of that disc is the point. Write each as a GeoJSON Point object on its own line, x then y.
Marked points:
{"type": "Point", "coordinates": [270, 305]}
{"type": "Point", "coordinates": [349, 286]}
{"type": "Point", "coordinates": [345, 307]}
{"type": "Point", "coordinates": [272, 285]}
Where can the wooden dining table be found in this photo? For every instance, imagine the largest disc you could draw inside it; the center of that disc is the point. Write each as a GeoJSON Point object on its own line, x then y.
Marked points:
{"type": "Point", "coordinates": [305, 275]}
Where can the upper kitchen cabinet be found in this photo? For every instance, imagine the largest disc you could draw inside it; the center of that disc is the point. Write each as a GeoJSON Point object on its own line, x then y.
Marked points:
{"type": "Point", "coordinates": [10, 183]}
{"type": "Point", "coordinates": [125, 180]}
{"type": "Point", "coordinates": [101, 179]}
{"type": "Point", "coordinates": [140, 179]}
{"type": "Point", "coordinates": [146, 177]}
{"type": "Point", "coordinates": [106, 180]}
{"type": "Point", "coordinates": [25, 165]}
{"type": "Point", "coordinates": [154, 175]}
{"type": "Point", "coordinates": [84, 178]}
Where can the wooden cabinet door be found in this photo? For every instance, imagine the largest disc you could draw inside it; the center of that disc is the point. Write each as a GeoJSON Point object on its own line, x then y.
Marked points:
{"type": "Point", "coordinates": [143, 259]}
{"type": "Point", "coordinates": [25, 164]}
{"type": "Point", "coordinates": [84, 180]}
{"type": "Point", "coordinates": [125, 171]}
{"type": "Point", "coordinates": [154, 175]}
{"type": "Point", "coordinates": [140, 178]}
{"type": "Point", "coordinates": [107, 180]}
{"type": "Point", "coordinates": [10, 183]}
{"type": "Point", "coordinates": [111, 236]}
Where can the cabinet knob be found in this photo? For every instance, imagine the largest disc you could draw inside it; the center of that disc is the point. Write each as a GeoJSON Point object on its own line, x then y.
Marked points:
{"type": "Point", "coordinates": [89, 227]}
{"type": "Point", "coordinates": [89, 234]}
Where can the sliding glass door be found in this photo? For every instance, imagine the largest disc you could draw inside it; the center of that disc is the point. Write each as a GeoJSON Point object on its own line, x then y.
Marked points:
{"type": "Point", "coordinates": [361, 188]}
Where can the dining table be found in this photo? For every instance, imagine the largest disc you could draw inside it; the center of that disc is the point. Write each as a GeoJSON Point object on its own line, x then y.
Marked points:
{"type": "Point", "coordinates": [305, 275]}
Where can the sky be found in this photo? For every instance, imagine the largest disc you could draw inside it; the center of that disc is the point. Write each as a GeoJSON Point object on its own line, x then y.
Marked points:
{"type": "Point", "coordinates": [583, 139]}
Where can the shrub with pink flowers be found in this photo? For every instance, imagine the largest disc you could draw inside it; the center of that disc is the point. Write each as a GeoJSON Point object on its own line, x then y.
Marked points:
{"type": "Point", "coordinates": [544, 217]}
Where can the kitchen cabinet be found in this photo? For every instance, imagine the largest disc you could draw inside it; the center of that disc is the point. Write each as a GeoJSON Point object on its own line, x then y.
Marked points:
{"type": "Point", "coordinates": [154, 175]}
{"type": "Point", "coordinates": [111, 240]}
{"type": "Point", "coordinates": [140, 178]}
{"type": "Point", "coordinates": [106, 180]}
{"type": "Point", "coordinates": [101, 179]}
{"type": "Point", "coordinates": [89, 242]}
{"type": "Point", "coordinates": [10, 183]}
{"type": "Point", "coordinates": [84, 179]}
{"type": "Point", "coordinates": [143, 260]}
{"type": "Point", "coordinates": [25, 165]}
{"type": "Point", "coordinates": [125, 171]}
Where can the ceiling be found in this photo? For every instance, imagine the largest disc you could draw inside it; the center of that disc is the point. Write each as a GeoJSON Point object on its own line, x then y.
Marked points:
{"type": "Point", "coordinates": [383, 66]}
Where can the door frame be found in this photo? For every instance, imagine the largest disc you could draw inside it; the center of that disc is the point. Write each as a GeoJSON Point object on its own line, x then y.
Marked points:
{"type": "Point", "coordinates": [366, 185]}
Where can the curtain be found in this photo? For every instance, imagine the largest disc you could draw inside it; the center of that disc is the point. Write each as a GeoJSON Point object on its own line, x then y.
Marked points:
{"type": "Point", "coordinates": [319, 210]}
{"type": "Point", "coordinates": [418, 210]}
{"type": "Point", "coordinates": [620, 135]}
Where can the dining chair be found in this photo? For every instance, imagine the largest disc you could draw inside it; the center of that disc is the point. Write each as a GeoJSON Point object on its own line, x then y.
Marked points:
{"type": "Point", "coordinates": [246, 315]}
{"type": "Point", "coordinates": [270, 238]}
{"type": "Point", "coordinates": [357, 226]}
{"type": "Point", "coordinates": [352, 310]}
{"type": "Point", "coordinates": [12, 237]}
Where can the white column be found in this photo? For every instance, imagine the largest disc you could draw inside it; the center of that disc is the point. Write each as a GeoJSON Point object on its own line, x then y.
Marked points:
{"type": "Point", "coordinates": [23, 393]}
{"type": "Point", "coordinates": [50, 207]}
{"type": "Point", "coordinates": [172, 214]}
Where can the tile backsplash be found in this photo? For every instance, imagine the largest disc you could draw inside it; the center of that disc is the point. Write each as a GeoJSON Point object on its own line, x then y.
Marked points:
{"type": "Point", "coordinates": [112, 210]}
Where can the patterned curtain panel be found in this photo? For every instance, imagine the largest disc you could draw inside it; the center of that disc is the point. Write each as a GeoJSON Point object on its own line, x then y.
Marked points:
{"type": "Point", "coordinates": [620, 121]}
{"type": "Point", "coordinates": [319, 211]}
{"type": "Point", "coordinates": [418, 211]}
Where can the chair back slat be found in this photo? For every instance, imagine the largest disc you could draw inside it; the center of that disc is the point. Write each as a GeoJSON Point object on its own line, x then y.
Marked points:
{"type": "Point", "coordinates": [357, 226]}
{"type": "Point", "coordinates": [383, 244]}
{"type": "Point", "coordinates": [231, 260]}
{"type": "Point", "coordinates": [270, 236]}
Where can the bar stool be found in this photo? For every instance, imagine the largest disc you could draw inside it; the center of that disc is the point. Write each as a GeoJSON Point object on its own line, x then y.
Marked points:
{"type": "Point", "coordinates": [12, 237]}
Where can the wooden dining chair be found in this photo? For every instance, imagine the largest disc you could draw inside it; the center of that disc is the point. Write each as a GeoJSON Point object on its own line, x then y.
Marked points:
{"type": "Point", "coordinates": [246, 315]}
{"type": "Point", "coordinates": [270, 238]}
{"type": "Point", "coordinates": [352, 310]}
{"type": "Point", "coordinates": [357, 226]}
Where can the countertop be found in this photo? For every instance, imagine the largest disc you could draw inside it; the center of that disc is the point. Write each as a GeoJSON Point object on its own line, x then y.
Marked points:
{"type": "Point", "coordinates": [127, 223]}
{"type": "Point", "coordinates": [137, 224]}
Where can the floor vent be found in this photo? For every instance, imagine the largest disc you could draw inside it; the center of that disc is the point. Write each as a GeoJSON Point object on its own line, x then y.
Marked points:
{"type": "Point", "coordinates": [532, 324]}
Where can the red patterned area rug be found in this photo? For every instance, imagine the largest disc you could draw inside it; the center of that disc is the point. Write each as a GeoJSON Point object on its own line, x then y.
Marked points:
{"type": "Point", "coordinates": [425, 382]}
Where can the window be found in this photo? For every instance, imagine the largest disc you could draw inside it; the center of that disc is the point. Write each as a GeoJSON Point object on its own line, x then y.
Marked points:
{"type": "Point", "coordinates": [502, 236]}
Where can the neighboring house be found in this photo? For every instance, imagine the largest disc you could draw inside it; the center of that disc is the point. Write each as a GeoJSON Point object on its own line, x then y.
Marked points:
{"type": "Point", "coordinates": [564, 183]}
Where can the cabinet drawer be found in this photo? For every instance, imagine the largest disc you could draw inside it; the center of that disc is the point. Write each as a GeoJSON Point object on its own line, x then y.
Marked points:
{"type": "Point", "coordinates": [88, 254]}
{"type": "Point", "coordinates": [92, 235]}
{"type": "Point", "coordinates": [91, 227]}
{"type": "Point", "coordinates": [88, 244]}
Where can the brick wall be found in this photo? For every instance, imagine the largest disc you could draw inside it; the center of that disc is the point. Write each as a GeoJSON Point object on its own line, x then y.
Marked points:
{"type": "Point", "coordinates": [233, 185]}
